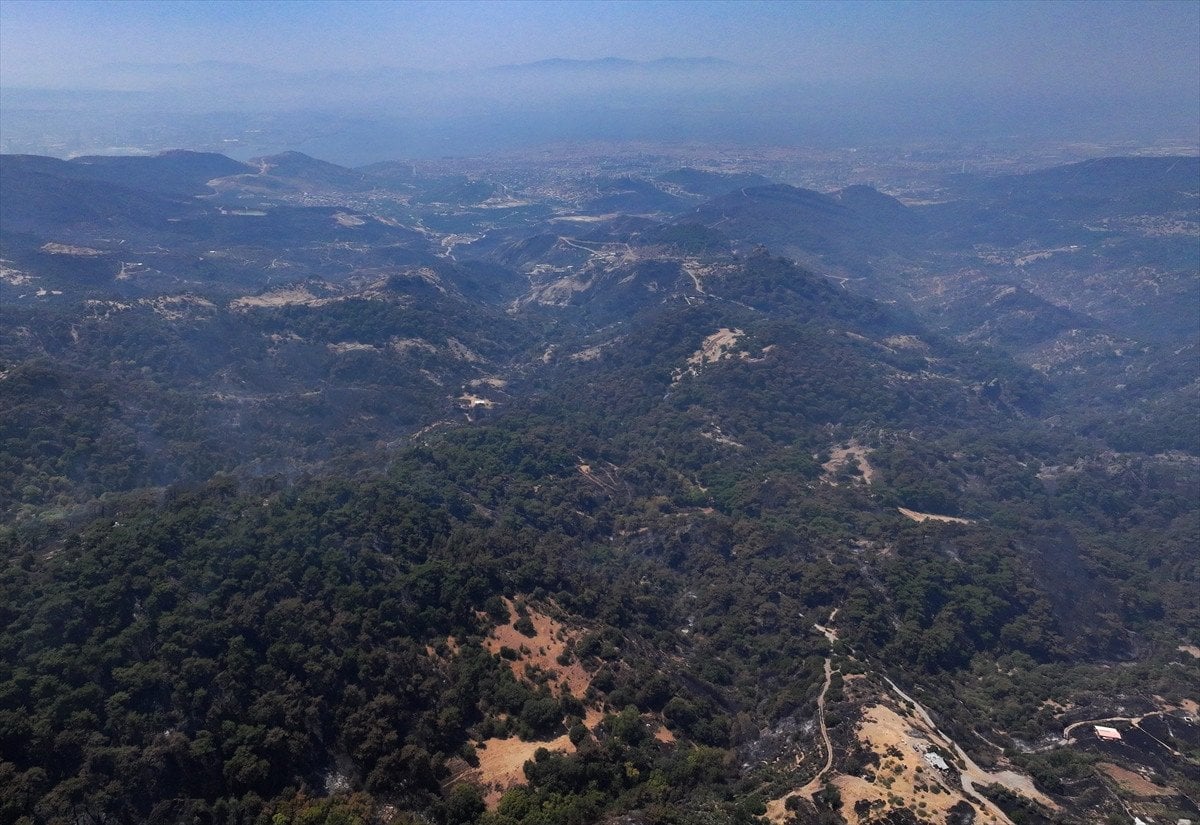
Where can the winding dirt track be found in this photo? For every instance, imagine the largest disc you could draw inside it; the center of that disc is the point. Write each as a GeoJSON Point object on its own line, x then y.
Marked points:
{"type": "Point", "coordinates": [815, 784]}
{"type": "Point", "coordinates": [777, 808]}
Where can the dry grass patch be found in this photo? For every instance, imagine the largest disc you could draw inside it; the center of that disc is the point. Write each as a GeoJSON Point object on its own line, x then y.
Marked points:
{"type": "Point", "coordinates": [902, 772]}
{"type": "Point", "coordinates": [663, 735]}
{"type": "Point", "coordinates": [502, 764]}
{"type": "Point", "coordinates": [840, 457]}
{"type": "Point", "coordinates": [542, 650]}
{"type": "Point", "coordinates": [1134, 783]}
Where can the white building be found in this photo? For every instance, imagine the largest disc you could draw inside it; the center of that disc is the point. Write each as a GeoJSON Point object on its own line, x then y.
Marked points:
{"type": "Point", "coordinates": [935, 760]}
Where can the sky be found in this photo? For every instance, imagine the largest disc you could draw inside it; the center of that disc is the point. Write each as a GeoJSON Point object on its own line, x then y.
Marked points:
{"type": "Point", "coordinates": [1003, 45]}
{"type": "Point", "coordinates": [363, 80]}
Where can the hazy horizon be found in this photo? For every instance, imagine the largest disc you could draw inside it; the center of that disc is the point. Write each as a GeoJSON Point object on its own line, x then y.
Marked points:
{"type": "Point", "coordinates": [373, 80]}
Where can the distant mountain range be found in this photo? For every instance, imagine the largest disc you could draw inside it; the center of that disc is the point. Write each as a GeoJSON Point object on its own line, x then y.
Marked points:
{"type": "Point", "coordinates": [621, 64]}
{"type": "Point", "coordinates": [375, 114]}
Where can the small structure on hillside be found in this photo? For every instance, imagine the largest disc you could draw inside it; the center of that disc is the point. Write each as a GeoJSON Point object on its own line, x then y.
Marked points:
{"type": "Point", "coordinates": [1108, 734]}
{"type": "Point", "coordinates": [935, 760]}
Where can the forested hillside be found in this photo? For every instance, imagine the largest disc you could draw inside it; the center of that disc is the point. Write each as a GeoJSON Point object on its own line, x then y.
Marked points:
{"type": "Point", "coordinates": [445, 501]}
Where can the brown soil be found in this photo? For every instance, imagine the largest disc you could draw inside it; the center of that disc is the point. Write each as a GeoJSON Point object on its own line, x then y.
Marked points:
{"type": "Point", "coordinates": [406, 344]}
{"type": "Point", "coordinates": [909, 342]}
{"type": "Point", "coordinates": [462, 352]}
{"type": "Point", "coordinates": [906, 776]}
{"type": "Point", "coordinates": [1134, 783]}
{"type": "Point", "coordinates": [501, 761]}
{"type": "Point", "coordinates": [589, 354]}
{"type": "Point", "coordinates": [716, 347]}
{"type": "Point", "coordinates": [541, 651]}
{"type": "Point", "coordinates": [716, 435]}
{"type": "Point", "coordinates": [904, 779]}
{"type": "Point", "coordinates": [502, 764]}
{"type": "Point", "coordinates": [665, 736]}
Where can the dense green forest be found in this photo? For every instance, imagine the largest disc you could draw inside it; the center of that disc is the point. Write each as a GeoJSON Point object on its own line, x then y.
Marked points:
{"type": "Point", "coordinates": [211, 652]}
{"type": "Point", "coordinates": [640, 526]}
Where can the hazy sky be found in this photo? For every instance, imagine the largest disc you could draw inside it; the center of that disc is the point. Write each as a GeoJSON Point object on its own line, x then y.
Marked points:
{"type": "Point", "coordinates": [1135, 46]}
{"type": "Point", "coordinates": [315, 75]}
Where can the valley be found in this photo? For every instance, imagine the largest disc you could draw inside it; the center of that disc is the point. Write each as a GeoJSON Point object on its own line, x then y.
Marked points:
{"type": "Point", "coordinates": [599, 488]}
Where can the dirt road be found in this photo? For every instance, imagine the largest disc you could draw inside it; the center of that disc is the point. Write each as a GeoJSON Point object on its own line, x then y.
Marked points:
{"type": "Point", "coordinates": [973, 774]}
{"type": "Point", "coordinates": [815, 784]}
{"type": "Point", "coordinates": [777, 808]}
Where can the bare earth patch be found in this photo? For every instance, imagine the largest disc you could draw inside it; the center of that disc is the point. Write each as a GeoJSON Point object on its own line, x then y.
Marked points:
{"type": "Point", "coordinates": [906, 776]}
{"type": "Point", "coordinates": [12, 277]}
{"type": "Point", "coordinates": [502, 761]}
{"type": "Point", "coordinates": [67, 249]}
{"type": "Point", "coordinates": [840, 457]}
{"type": "Point", "coordinates": [1134, 783]}
{"type": "Point", "coordinates": [279, 298]}
{"type": "Point", "coordinates": [589, 354]}
{"type": "Point", "coordinates": [176, 307]}
{"type": "Point", "coordinates": [472, 401]}
{"type": "Point", "coordinates": [909, 342]}
{"type": "Point", "coordinates": [350, 346]}
{"type": "Point", "coordinates": [912, 753]}
{"type": "Point", "coordinates": [665, 736]}
{"type": "Point", "coordinates": [715, 434]}
{"type": "Point", "coordinates": [502, 764]}
{"type": "Point", "coordinates": [542, 650]}
{"type": "Point", "coordinates": [490, 381]}
{"type": "Point", "coordinates": [462, 352]}
{"type": "Point", "coordinates": [1191, 650]}
{"type": "Point", "coordinates": [406, 344]}
{"type": "Point", "coordinates": [716, 347]}
{"type": "Point", "coordinates": [585, 218]}
{"type": "Point", "coordinates": [918, 517]}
